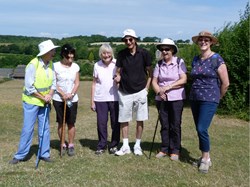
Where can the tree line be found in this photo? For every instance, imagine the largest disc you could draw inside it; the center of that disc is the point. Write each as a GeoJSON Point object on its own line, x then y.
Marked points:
{"type": "Point", "coordinates": [233, 47]}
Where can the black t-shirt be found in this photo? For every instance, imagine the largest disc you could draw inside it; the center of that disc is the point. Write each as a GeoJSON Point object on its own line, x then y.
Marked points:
{"type": "Point", "coordinates": [133, 70]}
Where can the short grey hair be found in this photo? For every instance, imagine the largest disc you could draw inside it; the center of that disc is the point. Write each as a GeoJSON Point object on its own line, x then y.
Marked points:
{"type": "Point", "coordinates": [105, 48]}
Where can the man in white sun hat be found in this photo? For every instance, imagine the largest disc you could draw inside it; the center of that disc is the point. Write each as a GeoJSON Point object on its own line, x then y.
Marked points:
{"type": "Point", "coordinates": [39, 86]}
{"type": "Point", "coordinates": [133, 76]}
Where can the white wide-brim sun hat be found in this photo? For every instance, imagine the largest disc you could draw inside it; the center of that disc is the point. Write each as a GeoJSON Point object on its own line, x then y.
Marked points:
{"type": "Point", "coordinates": [167, 42]}
{"type": "Point", "coordinates": [129, 32]}
{"type": "Point", "coordinates": [45, 47]}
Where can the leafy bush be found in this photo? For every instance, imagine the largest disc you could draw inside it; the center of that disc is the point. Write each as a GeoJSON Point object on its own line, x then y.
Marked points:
{"type": "Point", "coordinates": [12, 60]}
{"type": "Point", "coordinates": [234, 48]}
{"type": "Point", "coordinates": [86, 69]}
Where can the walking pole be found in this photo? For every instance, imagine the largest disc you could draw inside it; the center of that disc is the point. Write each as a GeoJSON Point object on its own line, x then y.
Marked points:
{"type": "Point", "coordinates": [154, 136]}
{"type": "Point", "coordinates": [41, 137]}
{"type": "Point", "coordinates": [63, 129]}
{"type": "Point", "coordinates": [158, 119]}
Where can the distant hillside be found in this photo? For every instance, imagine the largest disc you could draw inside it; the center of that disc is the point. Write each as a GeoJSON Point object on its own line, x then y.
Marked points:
{"type": "Point", "coordinates": [22, 39]}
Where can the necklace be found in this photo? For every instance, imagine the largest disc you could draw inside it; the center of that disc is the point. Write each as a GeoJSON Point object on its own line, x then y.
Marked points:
{"type": "Point", "coordinates": [204, 58]}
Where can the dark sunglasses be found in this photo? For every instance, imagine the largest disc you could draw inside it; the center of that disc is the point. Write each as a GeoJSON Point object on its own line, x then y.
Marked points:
{"type": "Point", "coordinates": [129, 39]}
{"type": "Point", "coordinates": [204, 39]}
{"type": "Point", "coordinates": [165, 49]}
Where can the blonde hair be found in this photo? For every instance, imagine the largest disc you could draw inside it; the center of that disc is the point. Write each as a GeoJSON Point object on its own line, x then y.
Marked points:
{"type": "Point", "coordinates": [105, 48]}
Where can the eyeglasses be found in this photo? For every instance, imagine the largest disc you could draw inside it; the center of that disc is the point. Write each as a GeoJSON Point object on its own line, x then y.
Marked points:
{"type": "Point", "coordinates": [165, 49]}
{"type": "Point", "coordinates": [204, 39]}
{"type": "Point", "coordinates": [128, 39]}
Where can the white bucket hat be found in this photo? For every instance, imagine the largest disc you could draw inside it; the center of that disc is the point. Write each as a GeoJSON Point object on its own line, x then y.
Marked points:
{"type": "Point", "coordinates": [45, 47]}
{"type": "Point", "coordinates": [167, 42]}
{"type": "Point", "coordinates": [129, 32]}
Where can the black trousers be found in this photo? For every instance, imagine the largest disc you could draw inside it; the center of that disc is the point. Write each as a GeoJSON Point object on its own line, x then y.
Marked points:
{"type": "Point", "coordinates": [103, 109]}
{"type": "Point", "coordinates": [170, 113]}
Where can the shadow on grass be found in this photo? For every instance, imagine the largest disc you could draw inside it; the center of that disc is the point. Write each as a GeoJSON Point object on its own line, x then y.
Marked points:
{"type": "Point", "coordinates": [146, 146]}
{"type": "Point", "coordinates": [54, 144]}
{"type": "Point", "coordinates": [184, 155]}
{"type": "Point", "coordinates": [33, 151]}
{"type": "Point", "coordinates": [91, 144]}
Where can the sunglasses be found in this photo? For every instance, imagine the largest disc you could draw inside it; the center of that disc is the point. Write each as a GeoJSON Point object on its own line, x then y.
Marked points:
{"type": "Point", "coordinates": [129, 39]}
{"type": "Point", "coordinates": [204, 39]}
{"type": "Point", "coordinates": [165, 49]}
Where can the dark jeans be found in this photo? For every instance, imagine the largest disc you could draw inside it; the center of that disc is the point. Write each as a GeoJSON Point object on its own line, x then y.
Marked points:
{"type": "Point", "coordinates": [102, 110]}
{"type": "Point", "coordinates": [170, 113]}
{"type": "Point", "coordinates": [203, 113]}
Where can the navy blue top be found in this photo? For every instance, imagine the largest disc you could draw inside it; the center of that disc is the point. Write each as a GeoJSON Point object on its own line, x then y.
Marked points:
{"type": "Point", "coordinates": [133, 70]}
{"type": "Point", "coordinates": [206, 84]}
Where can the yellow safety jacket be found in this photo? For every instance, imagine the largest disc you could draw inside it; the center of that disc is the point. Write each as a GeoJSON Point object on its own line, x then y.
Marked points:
{"type": "Point", "coordinates": [42, 83]}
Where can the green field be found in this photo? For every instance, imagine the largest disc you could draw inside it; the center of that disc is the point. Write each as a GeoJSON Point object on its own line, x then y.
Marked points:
{"type": "Point", "coordinates": [229, 152]}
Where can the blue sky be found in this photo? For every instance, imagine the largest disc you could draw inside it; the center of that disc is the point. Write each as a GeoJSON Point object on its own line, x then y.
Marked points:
{"type": "Point", "coordinates": [176, 19]}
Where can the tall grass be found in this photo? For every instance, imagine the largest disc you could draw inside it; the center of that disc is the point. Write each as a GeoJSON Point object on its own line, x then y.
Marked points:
{"type": "Point", "coordinates": [229, 139]}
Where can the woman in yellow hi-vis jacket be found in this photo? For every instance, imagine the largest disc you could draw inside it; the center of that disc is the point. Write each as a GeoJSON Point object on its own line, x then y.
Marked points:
{"type": "Point", "coordinates": [39, 86]}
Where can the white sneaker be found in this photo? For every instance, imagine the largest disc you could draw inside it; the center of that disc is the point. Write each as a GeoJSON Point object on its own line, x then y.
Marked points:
{"type": "Point", "coordinates": [123, 151]}
{"type": "Point", "coordinates": [204, 166]}
{"type": "Point", "coordinates": [138, 150]}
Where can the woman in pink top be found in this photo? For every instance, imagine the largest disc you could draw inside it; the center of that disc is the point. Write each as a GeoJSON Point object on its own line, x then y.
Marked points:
{"type": "Point", "coordinates": [168, 82]}
{"type": "Point", "coordinates": [104, 100]}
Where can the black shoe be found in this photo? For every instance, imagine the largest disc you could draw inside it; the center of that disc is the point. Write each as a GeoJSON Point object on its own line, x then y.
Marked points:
{"type": "Point", "coordinates": [15, 161]}
{"type": "Point", "coordinates": [71, 151]}
{"type": "Point", "coordinates": [46, 159]}
{"type": "Point", "coordinates": [100, 152]}
{"type": "Point", "coordinates": [113, 150]}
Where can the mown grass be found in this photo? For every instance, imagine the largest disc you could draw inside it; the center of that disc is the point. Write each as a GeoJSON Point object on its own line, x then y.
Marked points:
{"type": "Point", "coordinates": [229, 139]}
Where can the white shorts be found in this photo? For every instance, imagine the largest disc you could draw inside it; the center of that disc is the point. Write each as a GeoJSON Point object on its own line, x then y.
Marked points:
{"type": "Point", "coordinates": [129, 103]}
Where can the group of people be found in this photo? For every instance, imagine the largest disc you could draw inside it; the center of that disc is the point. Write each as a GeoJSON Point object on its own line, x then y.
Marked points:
{"type": "Point", "coordinates": [119, 90]}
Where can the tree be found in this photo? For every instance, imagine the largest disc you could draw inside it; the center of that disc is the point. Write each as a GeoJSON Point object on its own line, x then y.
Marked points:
{"type": "Point", "coordinates": [91, 56]}
{"type": "Point", "coordinates": [82, 52]}
{"type": "Point", "coordinates": [151, 39]}
{"type": "Point", "coordinates": [29, 49]}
